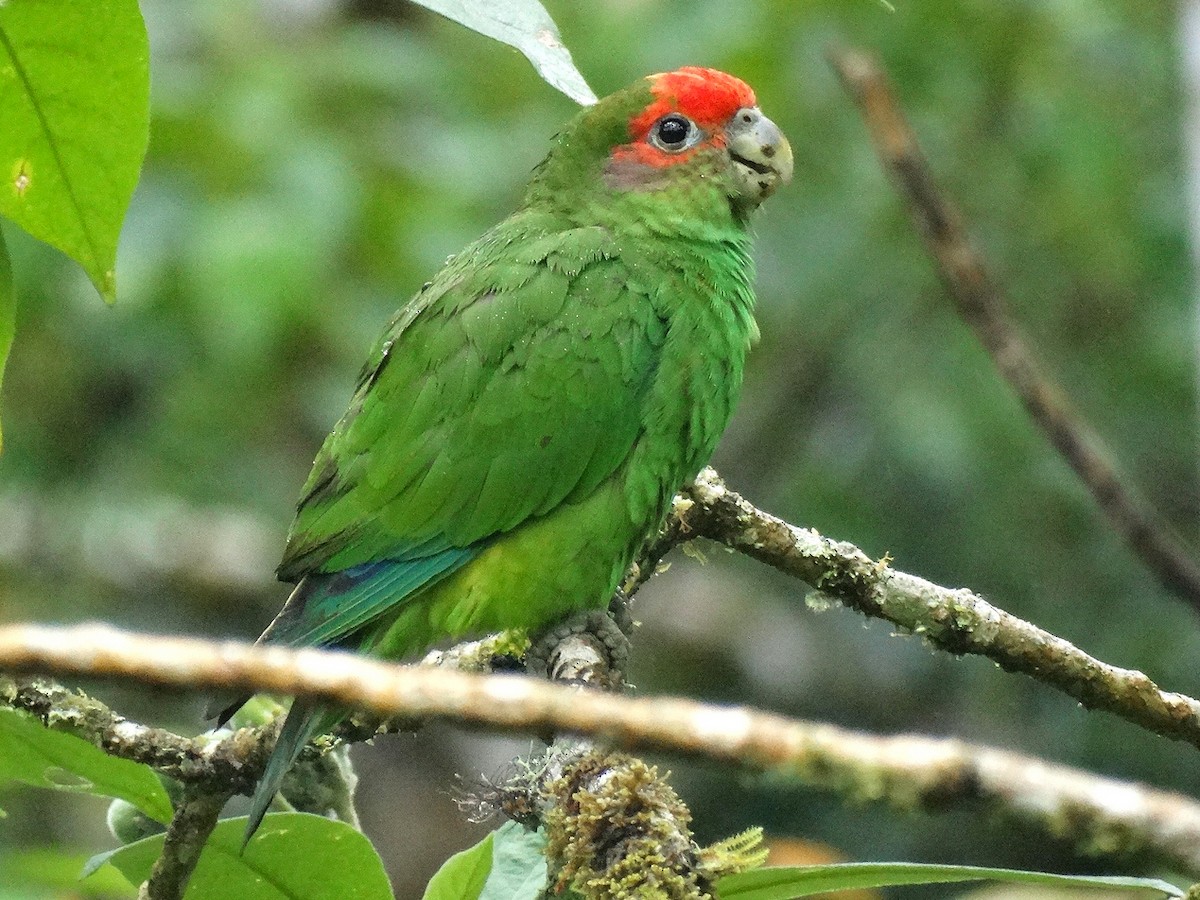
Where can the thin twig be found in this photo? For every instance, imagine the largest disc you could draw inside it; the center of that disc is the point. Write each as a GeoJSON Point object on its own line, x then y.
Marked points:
{"type": "Point", "coordinates": [1098, 815]}
{"type": "Point", "coordinates": [194, 820]}
{"type": "Point", "coordinates": [982, 305]}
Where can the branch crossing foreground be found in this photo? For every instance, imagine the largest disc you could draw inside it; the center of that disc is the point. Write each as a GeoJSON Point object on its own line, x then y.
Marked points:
{"type": "Point", "coordinates": [909, 772]}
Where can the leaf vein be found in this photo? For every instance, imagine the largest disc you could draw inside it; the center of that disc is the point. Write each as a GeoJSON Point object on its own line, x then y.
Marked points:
{"type": "Point", "coordinates": [52, 141]}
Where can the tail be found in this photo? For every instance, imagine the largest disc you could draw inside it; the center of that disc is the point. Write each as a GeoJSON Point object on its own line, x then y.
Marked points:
{"type": "Point", "coordinates": [223, 707]}
{"type": "Point", "coordinates": [304, 721]}
{"type": "Point", "coordinates": [328, 609]}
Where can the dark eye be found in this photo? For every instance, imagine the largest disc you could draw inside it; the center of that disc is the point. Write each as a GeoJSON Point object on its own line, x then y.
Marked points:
{"type": "Point", "coordinates": [673, 132]}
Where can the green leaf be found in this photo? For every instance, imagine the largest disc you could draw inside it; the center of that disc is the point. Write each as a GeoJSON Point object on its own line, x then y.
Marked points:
{"type": "Point", "coordinates": [294, 856]}
{"type": "Point", "coordinates": [526, 25]}
{"type": "Point", "coordinates": [75, 90]}
{"type": "Point", "coordinates": [51, 874]}
{"type": "Point", "coordinates": [786, 883]}
{"type": "Point", "coordinates": [463, 875]}
{"type": "Point", "coordinates": [518, 864]}
{"type": "Point", "coordinates": [508, 864]}
{"type": "Point", "coordinates": [36, 755]}
{"type": "Point", "coordinates": [8, 313]}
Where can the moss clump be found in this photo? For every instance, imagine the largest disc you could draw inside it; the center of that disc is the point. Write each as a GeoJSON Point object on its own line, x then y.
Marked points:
{"type": "Point", "coordinates": [617, 831]}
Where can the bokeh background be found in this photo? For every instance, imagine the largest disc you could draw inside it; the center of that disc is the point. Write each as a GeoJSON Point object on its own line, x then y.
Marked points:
{"type": "Point", "coordinates": [312, 162]}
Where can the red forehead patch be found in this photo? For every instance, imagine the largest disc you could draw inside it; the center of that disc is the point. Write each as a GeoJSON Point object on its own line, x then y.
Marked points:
{"type": "Point", "coordinates": [707, 96]}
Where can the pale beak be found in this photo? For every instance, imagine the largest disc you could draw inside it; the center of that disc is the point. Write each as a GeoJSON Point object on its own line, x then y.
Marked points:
{"type": "Point", "coordinates": [761, 155]}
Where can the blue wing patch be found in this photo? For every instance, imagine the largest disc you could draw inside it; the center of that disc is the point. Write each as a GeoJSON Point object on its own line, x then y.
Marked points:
{"type": "Point", "coordinates": [326, 607]}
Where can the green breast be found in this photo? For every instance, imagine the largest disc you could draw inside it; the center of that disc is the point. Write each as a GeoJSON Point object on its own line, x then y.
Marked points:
{"type": "Point", "coordinates": [682, 316]}
{"type": "Point", "coordinates": [703, 290]}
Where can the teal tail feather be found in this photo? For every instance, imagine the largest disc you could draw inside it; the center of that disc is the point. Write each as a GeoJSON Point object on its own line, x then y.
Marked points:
{"type": "Point", "coordinates": [330, 609]}
{"type": "Point", "coordinates": [304, 721]}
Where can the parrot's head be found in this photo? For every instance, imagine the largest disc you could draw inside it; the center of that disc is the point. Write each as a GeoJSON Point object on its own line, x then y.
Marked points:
{"type": "Point", "coordinates": [687, 137]}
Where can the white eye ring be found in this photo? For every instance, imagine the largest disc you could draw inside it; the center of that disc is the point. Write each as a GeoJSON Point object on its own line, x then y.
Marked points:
{"type": "Point", "coordinates": [674, 133]}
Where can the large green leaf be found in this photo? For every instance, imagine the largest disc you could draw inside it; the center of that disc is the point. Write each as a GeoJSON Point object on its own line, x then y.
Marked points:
{"type": "Point", "coordinates": [8, 313]}
{"type": "Point", "coordinates": [526, 25]}
{"type": "Point", "coordinates": [36, 755]}
{"type": "Point", "coordinates": [789, 882]}
{"type": "Point", "coordinates": [75, 95]}
{"type": "Point", "coordinates": [293, 856]}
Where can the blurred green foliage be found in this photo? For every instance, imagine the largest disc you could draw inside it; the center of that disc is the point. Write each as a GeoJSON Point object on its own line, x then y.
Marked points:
{"type": "Point", "coordinates": [311, 163]}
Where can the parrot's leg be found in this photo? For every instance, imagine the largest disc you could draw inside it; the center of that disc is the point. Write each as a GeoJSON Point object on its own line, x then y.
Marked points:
{"type": "Point", "coordinates": [597, 626]}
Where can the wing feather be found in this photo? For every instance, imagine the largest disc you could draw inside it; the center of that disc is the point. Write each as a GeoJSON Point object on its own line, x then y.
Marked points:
{"type": "Point", "coordinates": [512, 382]}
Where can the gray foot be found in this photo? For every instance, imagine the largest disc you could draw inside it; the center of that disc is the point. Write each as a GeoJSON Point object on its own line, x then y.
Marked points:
{"type": "Point", "coordinates": [587, 648]}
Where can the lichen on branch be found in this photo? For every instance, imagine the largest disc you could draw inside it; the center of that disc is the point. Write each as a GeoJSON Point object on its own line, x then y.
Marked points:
{"type": "Point", "coordinates": [909, 772]}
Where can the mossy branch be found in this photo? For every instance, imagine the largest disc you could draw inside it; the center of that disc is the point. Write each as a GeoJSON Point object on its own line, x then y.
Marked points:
{"type": "Point", "coordinates": [908, 772]}
{"type": "Point", "coordinates": [193, 822]}
{"type": "Point", "coordinates": [958, 621]}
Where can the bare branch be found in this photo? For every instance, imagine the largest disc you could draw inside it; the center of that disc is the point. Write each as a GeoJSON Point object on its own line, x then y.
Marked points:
{"type": "Point", "coordinates": [1099, 815]}
{"type": "Point", "coordinates": [982, 305]}
{"type": "Point", "coordinates": [958, 621]}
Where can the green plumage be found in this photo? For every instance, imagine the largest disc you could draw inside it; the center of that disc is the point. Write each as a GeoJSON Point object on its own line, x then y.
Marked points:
{"type": "Point", "coordinates": [524, 420]}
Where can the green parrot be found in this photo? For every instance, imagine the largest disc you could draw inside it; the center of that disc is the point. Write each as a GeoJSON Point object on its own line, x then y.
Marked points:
{"type": "Point", "coordinates": [525, 419]}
